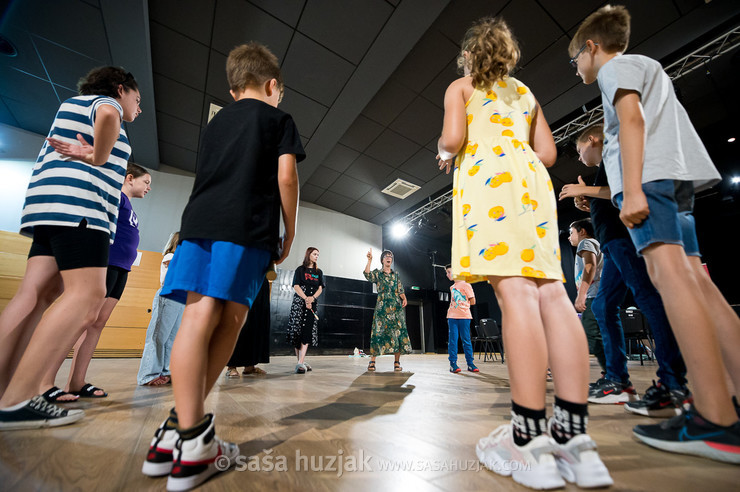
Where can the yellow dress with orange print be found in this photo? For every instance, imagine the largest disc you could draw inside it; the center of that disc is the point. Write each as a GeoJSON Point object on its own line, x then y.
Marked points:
{"type": "Point", "coordinates": [503, 205]}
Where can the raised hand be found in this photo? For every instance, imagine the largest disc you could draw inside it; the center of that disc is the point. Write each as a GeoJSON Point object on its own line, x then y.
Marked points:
{"type": "Point", "coordinates": [370, 254]}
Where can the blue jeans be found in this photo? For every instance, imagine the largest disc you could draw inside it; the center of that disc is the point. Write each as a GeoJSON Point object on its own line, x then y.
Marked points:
{"type": "Point", "coordinates": [623, 269]}
{"type": "Point", "coordinates": [160, 335]}
{"type": "Point", "coordinates": [462, 327]}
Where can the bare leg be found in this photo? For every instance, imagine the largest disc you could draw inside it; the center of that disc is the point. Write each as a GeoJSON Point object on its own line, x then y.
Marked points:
{"type": "Point", "coordinates": [566, 342]}
{"type": "Point", "coordinates": [40, 287]}
{"type": "Point", "coordinates": [524, 338]}
{"type": "Point", "coordinates": [725, 321]}
{"type": "Point", "coordinates": [302, 353]}
{"type": "Point", "coordinates": [688, 311]}
{"type": "Point", "coordinates": [206, 322]}
{"type": "Point", "coordinates": [84, 288]}
{"type": "Point", "coordinates": [85, 346]}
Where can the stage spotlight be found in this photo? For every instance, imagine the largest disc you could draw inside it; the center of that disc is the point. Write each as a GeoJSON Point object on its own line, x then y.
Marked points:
{"type": "Point", "coordinates": [399, 229]}
{"type": "Point", "coordinates": [731, 139]}
{"type": "Point", "coordinates": [735, 179]}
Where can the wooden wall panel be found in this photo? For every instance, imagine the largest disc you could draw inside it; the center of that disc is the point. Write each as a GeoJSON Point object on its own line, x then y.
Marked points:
{"type": "Point", "coordinates": [125, 332]}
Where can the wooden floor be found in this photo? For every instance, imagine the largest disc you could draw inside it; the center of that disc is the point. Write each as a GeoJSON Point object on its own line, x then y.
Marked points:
{"type": "Point", "coordinates": [422, 423]}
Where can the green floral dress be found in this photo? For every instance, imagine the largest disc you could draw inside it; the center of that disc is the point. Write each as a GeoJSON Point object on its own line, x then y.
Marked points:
{"type": "Point", "coordinates": [389, 334]}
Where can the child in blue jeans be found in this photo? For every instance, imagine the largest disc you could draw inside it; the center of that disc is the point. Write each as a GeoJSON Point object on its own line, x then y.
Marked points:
{"type": "Point", "coordinates": [230, 232]}
{"type": "Point", "coordinates": [624, 268]}
{"type": "Point", "coordinates": [458, 320]}
{"type": "Point", "coordinates": [654, 162]}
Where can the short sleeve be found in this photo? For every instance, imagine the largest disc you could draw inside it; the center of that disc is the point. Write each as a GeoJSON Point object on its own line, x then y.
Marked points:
{"type": "Point", "coordinates": [589, 245]}
{"type": "Point", "coordinates": [400, 285]}
{"type": "Point", "coordinates": [100, 102]}
{"type": "Point", "coordinates": [290, 140]}
{"type": "Point", "coordinates": [321, 280]}
{"type": "Point", "coordinates": [469, 292]}
{"type": "Point", "coordinates": [622, 72]}
{"type": "Point", "coordinates": [297, 276]}
{"type": "Point", "coordinates": [372, 276]}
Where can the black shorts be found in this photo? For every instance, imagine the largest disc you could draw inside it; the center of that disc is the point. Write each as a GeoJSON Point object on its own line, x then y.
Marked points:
{"type": "Point", "coordinates": [115, 281]}
{"type": "Point", "coordinates": [71, 247]}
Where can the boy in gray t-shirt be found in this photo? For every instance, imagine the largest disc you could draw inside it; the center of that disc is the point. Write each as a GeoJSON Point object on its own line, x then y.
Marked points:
{"type": "Point", "coordinates": [654, 161]}
{"type": "Point", "coordinates": [587, 274]}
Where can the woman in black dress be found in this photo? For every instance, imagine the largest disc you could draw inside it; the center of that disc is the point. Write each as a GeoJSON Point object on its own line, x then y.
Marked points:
{"type": "Point", "coordinates": [308, 283]}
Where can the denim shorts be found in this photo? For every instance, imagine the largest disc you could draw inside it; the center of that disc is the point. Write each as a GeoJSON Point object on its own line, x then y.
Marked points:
{"type": "Point", "coordinates": [671, 219]}
{"type": "Point", "coordinates": [217, 269]}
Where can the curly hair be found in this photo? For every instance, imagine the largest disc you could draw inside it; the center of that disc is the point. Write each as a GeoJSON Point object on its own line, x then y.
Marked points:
{"type": "Point", "coordinates": [609, 27]}
{"type": "Point", "coordinates": [104, 81]}
{"type": "Point", "coordinates": [251, 65]}
{"type": "Point", "coordinates": [492, 51]}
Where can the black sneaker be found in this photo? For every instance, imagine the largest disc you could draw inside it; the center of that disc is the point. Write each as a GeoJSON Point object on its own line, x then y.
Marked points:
{"type": "Point", "coordinates": [598, 382]}
{"type": "Point", "coordinates": [594, 388]}
{"type": "Point", "coordinates": [37, 412]}
{"type": "Point", "coordinates": [658, 401]}
{"type": "Point", "coordinates": [689, 433]}
{"type": "Point", "coordinates": [613, 393]}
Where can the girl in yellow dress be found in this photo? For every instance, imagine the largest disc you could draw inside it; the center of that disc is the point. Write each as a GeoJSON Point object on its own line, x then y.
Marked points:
{"type": "Point", "coordinates": [505, 231]}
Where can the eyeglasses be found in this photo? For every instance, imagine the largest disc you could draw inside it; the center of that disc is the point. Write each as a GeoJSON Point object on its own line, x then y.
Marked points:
{"type": "Point", "coordinates": [573, 61]}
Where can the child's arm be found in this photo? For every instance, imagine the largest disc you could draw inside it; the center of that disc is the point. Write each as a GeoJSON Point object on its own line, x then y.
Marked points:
{"type": "Point", "coordinates": [589, 272]}
{"type": "Point", "coordinates": [541, 139]}
{"type": "Point", "coordinates": [288, 185]}
{"type": "Point", "coordinates": [107, 129]}
{"type": "Point", "coordinates": [454, 126]}
{"type": "Point", "coordinates": [632, 147]}
{"type": "Point", "coordinates": [581, 189]}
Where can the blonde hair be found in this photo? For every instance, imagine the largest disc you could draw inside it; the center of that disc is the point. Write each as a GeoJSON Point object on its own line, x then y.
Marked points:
{"type": "Point", "coordinates": [609, 27]}
{"type": "Point", "coordinates": [171, 245]}
{"type": "Point", "coordinates": [251, 65]}
{"type": "Point", "coordinates": [492, 51]}
{"type": "Point", "coordinates": [595, 130]}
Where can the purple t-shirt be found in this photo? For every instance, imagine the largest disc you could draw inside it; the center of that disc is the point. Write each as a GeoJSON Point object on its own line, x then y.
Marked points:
{"type": "Point", "coordinates": [123, 249]}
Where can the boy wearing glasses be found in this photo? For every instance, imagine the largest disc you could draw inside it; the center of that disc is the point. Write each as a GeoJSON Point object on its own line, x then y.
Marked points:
{"type": "Point", "coordinates": [654, 161]}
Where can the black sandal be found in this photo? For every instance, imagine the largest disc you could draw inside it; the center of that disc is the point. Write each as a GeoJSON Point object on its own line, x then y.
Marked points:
{"type": "Point", "coordinates": [53, 394]}
{"type": "Point", "coordinates": [371, 366]}
{"type": "Point", "coordinates": [397, 366]}
{"type": "Point", "coordinates": [88, 391]}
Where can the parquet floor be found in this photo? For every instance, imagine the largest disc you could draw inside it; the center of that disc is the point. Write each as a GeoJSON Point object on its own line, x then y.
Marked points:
{"type": "Point", "coordinates": [385, 431]}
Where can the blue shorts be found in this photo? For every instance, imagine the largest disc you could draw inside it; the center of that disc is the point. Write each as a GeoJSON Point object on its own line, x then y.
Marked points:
{"type": "Point", "coordinates": [671, 220]}
{"type": "Point", "coordinates": [217, 269]}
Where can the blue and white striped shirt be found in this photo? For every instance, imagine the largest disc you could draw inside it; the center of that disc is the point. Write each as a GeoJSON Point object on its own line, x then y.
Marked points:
{"type": "Point", "coordinates": [63, 191]}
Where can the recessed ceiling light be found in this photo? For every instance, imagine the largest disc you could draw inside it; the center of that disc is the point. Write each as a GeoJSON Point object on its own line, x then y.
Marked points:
{"type": "Point", "coordinates": [7, 48]}
{"type": "Point", "coordinates": [731, 139]}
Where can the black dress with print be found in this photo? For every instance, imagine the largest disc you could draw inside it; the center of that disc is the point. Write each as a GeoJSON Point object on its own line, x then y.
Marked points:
{"type": "Point", "coordinates": [302, 324]}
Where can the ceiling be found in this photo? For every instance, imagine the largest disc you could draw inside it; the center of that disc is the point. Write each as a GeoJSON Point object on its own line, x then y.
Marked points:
{"type": "Point", "coordinates": [365, 79]}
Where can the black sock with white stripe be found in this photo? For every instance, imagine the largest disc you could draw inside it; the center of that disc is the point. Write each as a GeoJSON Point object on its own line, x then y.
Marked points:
{"type": "Point", "coordinates": [569, 420]}
{"type": "Point", "coordinates": [526, 423]}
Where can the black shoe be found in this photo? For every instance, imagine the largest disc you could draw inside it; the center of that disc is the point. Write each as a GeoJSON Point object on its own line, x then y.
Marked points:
{"type": "Point", "coordinates": [38, 412]}
{"type": "Point", "coordinates": [689, 433]}
{"type": "Point", "coordinates": [598, 382]}
{"type": "Point", "coordinates": [658, 401]}
{"type": "Point", "coordinates": [613, 393]}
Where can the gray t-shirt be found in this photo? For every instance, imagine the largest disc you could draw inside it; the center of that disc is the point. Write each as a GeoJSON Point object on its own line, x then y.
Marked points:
{"type": "Point", "coordinates": [593, 246]}
{"type": "Point", "coordinates": [673, 149]}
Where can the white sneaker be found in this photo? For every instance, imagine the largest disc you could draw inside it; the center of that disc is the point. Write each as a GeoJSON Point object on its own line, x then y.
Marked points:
{"type": "Point", "coordinates": [199, 458]}
{"type": "Point", "coordinates": [158, 461]}
{"type": "Point", "coordinates": [579, 462]}
{"type": "Point", "coordinates": [532, 465]}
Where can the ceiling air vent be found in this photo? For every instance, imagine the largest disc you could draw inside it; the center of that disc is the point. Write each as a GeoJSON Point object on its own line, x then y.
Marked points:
{"type": "Point", "coordinates": [212, 110]}
{"type": "Point", "coordinates": [400, 188]}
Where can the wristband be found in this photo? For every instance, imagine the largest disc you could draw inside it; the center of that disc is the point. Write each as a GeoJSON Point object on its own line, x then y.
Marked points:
{"type": "Point", "coordinates": [444, 155]}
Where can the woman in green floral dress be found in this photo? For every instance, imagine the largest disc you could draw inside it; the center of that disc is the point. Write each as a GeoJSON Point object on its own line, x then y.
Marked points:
{"type": "Point", "coordinates": [389, 333]}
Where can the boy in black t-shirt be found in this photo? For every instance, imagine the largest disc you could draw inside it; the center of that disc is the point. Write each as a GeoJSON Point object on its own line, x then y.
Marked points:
{"type": "Point", "coordinates": [246, 172]}
{"type": "Point", "coordinates": [623, 269]}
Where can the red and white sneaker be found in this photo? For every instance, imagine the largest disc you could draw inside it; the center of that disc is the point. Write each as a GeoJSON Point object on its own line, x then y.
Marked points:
{"type": "Point", "coordinates": [199, 458]}
{"type": "Point", "coordinates": [158, 461]}
{"type": "Point", "coordinates": [532, 465]}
